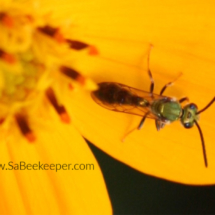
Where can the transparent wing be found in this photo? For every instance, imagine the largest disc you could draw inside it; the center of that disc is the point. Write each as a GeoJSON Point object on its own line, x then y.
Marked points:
{"type": "Point", "coordinates": [121, 98]}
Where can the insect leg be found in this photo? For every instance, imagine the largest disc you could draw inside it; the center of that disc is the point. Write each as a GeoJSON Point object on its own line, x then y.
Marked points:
{"type": "Point", "coordinates": [183, 99]}
{"type": "Point", "coordinates": [159, 124]}
{"type": "Point", "coordinates": [169, 84]}
{"type": "Point", "coordinates": [149, 72]}
{"type": "Point", "coordinates": [142, 121]}
{"type": "Point", "coordinates": [139, 127]}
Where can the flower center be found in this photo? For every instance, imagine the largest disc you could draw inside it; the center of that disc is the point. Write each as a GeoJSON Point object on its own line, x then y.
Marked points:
{"type": "Point", "coordinates": [30, 63]}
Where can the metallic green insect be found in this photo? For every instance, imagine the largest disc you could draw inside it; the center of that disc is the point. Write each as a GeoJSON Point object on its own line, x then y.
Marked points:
{"type": "Point", "coordinates": [164, 110]}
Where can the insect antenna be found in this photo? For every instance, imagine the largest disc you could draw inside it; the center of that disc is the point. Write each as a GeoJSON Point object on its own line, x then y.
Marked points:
{"type": "Point", "coordinates": [207, 106]}
{"type": "Point", "coordinates": [203, 143]}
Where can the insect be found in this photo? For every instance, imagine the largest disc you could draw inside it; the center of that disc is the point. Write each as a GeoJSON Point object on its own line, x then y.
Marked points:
{"type": "Point", "coordinates": [163, 109]}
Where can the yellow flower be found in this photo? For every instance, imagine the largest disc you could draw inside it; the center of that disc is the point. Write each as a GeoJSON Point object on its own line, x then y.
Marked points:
{"type": "Point", "coordinates": [46, 166]}
{"type": "Point", "coordinates": [182, 34]}
{"type": "Point", "coordinates": [36, 56]}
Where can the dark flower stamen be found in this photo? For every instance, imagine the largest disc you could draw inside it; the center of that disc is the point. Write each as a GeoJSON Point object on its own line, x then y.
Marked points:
{"type": "Point", "coordinates": [77, 45]}
{"type": "Point", "coordinates": [60, 109]}
{"type": "Point", "coordinates": [71, 73]}
{"type": "Point", "coordinates": [6, 20]}
{"type": "Point", "coordinates": [2, 16]}
{"type": "Point", "coordinates": [9, 58]}
{"type": "Point", "coordinates": [52, 32]}
{"type": "Point", "coordinates": [1, 120]}
{"type": "Point", "coordinates": [24, 128]}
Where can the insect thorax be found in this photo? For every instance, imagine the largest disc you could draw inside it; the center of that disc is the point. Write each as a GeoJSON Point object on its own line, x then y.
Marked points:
{"type": "Point", "coordinates": [166, 109]}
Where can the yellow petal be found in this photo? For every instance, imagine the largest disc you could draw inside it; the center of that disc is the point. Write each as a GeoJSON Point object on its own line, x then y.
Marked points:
{"type": "Point", "coordinates": [32, 51]}
{"type": "Point", "coordinates": [182, 34]}
{"type": "Point", "coordinates": [55, 191]}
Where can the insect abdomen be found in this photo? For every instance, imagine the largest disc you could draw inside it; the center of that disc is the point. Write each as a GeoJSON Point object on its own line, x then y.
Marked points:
{"type": "Point", "coordinates": [112, 93]}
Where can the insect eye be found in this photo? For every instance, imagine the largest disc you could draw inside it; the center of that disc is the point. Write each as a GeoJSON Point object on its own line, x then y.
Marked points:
{"type": "Point", "coordinates": [193, 106]}
{"type": "Point", "coordinates": [187, 125]}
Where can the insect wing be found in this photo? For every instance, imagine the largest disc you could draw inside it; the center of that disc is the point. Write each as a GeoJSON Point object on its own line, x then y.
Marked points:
{"type": "Point", "coordinates": [121, 98]}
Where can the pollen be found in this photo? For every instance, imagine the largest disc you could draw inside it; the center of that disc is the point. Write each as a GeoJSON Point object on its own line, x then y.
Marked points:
{"type": "Point", "coordinates": [33, 64]}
